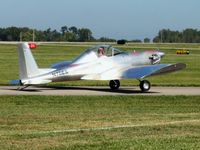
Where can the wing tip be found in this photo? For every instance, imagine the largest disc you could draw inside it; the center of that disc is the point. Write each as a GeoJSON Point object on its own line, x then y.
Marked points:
{"type": "Point", "coordinates": [181, 65]}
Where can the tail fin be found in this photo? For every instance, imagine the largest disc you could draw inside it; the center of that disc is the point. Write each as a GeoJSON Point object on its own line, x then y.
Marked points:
{"type": "Point", "coordinates": [27, 65]}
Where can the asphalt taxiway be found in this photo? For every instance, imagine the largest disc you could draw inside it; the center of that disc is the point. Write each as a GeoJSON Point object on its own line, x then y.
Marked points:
{"type": "Point", "coordinates": [91, 90]}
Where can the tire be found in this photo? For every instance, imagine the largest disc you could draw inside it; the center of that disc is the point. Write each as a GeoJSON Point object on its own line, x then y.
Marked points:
{"type": "Point", "coordinates": [145, 85]}
{"type": "Point", "coordinates": [114, 84]}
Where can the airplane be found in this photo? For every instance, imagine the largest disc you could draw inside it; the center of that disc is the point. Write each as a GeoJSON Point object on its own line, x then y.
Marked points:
{"type": "Point", "coordinates": [100, 62]}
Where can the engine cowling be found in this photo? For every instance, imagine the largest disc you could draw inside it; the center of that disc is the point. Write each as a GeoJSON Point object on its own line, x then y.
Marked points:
{"type": "Point", "coordinates": [155, 58]}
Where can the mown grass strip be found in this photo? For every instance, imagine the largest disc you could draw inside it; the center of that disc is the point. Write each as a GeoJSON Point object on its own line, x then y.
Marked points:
{"type": "Point", "coordinates": [99, 122]}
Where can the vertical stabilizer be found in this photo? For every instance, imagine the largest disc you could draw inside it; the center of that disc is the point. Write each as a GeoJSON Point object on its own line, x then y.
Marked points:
{"type": "Point", "coordinates": [27, 65]}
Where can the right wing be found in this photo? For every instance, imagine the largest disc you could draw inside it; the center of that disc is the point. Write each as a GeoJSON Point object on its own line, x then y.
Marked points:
{"type": "Point", "coordinates": [135, 72]}
{"type": "Point", "coordinates": [152, 70]}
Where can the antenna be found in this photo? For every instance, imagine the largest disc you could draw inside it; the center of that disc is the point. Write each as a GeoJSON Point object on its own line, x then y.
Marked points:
{"type": "Point", "coordinates": [33, 35]}
{"type": "Point", "coordinates": [20, 36]}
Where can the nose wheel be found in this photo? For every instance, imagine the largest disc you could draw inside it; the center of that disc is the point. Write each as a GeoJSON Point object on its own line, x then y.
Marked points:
{"type": "Point", "coordinates": [114, 84]}
{"type": "Point", "coordinates": [145, 85]}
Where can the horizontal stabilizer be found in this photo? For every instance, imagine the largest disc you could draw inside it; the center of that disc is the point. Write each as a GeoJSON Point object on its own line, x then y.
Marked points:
{"type": "Point", "coordinates": [15, 82]}
{"type": "Point", "coordinates": [35, 81]}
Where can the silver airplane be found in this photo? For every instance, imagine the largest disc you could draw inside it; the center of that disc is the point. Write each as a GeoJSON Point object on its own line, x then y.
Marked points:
{"type": "Point", "coordinates": [102, 62]}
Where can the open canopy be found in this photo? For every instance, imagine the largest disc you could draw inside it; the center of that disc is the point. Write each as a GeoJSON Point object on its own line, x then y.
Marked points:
{"type": "Point", "coordinates": [96, 52]}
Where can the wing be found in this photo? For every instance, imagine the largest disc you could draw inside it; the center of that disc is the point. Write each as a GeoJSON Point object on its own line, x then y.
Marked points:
{"type": "Point", "coordinates": [136, 72]}
{"type": "Point", "coordinates": [152, 70]}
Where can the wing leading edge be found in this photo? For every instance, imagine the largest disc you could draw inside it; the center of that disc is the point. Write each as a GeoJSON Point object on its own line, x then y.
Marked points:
{"type": "Point", "coordinates": [146, 71]}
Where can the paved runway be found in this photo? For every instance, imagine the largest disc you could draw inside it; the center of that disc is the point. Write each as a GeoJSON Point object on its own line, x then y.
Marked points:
{"type": "Point", "coordinates": [91, 90]}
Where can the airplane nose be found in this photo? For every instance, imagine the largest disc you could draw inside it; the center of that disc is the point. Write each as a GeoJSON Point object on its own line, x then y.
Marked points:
{"type": "Point", "coordinates": [161, 54]}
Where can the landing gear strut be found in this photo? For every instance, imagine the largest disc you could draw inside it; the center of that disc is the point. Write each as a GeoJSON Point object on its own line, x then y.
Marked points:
{"type": "Point", "coordinates": [114, 84]}
{"type": "Point", "coordinates": [145, 85]}
{"type": "Point", "coordinates": [22, 88]}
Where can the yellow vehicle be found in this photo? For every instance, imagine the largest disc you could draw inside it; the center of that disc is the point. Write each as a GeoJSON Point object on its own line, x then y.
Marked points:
{"type": "Point", "coordinates": [183, 52]}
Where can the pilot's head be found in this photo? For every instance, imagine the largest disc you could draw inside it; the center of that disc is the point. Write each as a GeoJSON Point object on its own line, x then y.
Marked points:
{"type": "Point", "coordinates": [101, 51]}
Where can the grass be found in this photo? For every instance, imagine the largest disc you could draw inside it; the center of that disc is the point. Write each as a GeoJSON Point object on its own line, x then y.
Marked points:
{"type": "Point", "coordinates": [141, 122]}
{"type": "Point", "coordinates": [48, 54]}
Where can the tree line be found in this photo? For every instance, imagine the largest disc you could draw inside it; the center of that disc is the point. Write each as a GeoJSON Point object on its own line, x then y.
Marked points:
{"type": "Point", "coordinates": [71, 34]}
{"type": "Point", "coordinates": [74, 34]}
{"type": "Point", "coordinates": [185, 36]}
{"type": "Point", "coordinates": [27, 34]}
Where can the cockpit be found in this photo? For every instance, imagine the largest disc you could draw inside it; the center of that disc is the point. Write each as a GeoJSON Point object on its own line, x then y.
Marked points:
{"type": "Point", "coordinates": [96, 52]}
{"type": "Point", "coordinates": [106, 50]}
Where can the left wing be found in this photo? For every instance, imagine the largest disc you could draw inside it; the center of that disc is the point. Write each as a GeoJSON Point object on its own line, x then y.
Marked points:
{"type": "Point", "coordinates": [61, 64]}
{"type": "Point", "coordinates": [152, 70]}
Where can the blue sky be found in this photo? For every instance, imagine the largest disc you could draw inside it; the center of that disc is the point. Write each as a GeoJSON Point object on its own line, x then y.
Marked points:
{"type": "Point", "coordinates": [129, 19]}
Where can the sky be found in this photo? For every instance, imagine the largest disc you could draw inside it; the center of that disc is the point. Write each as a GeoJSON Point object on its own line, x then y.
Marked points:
{"type": "Point", "coordinates": [119, 19]}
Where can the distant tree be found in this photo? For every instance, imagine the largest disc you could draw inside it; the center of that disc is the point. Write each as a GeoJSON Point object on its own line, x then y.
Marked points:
{"type": "Point", "coordinates": [74, 33]}
{"type": "Point", "coordinates": [69, 36]}
{"type": "Point", "coordinates": [2, 34]}
{"type": "Point", "coordinates": [64, 29]}
{"type": "Point", "coordinates": [73, 29]}
{"type": "Point", "coordinates": [55, 35]}
{"type": "Point", "coordinates": [84, 35]}
{"type": "Point", "coordinates": [190, 35]}
{"type": "Point", "coordinates": [105, 39]}
{"type": "Point", "coordinates": [147, 40]}
{"type": "Point", "coordinates": [13, 33]}
{"type": "Point", "coordinates": [47, 34]}
{"type": "Point", "coordinates": [39, 36]}
{"type": "Point", "coordinates": [27, 36]}
{"type": "Point", "coordinates": [136, 41]}
{"type": "Point", "coordinates": [185, 36]}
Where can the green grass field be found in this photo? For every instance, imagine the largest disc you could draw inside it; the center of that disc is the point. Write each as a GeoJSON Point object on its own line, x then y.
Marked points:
{"type": "Point", "coordinates": [48, 54]}
{"type": "Point", "coordinates": [100, 122]}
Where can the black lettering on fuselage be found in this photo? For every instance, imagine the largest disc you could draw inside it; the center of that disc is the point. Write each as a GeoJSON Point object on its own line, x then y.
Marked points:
{"type": "Point", "coordinates": [59, 73]}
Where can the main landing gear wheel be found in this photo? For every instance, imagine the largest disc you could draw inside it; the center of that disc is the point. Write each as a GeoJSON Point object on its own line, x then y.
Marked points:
{"type": "Point", "coordinates": [114, 84]}
{"type": "Point", "coordinates": [145, 85]}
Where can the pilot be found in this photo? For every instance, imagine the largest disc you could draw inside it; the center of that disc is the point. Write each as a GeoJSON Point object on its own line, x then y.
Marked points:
{"type": "Point", "coordinates": [101, 51]}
